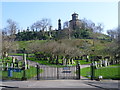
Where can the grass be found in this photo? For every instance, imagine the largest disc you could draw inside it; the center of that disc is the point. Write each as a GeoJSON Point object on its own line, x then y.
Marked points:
{"type": "Point", "coordinates": [23, 44]}
{"type": "Point", "coordinates": [7, 59]}
{"type": "Point", "coordinates": [110, 72]}
{"type": "Point", "coordinates": [20, 54]}
{"type": "Point", "coordinates": [45, 62]}
{"type": "Point", "coordinates": [31, 72]}
{"type": "Point", "coordinates": [82, 62]}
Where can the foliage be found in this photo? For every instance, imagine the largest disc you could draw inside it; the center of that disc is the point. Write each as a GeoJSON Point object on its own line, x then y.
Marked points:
{"type": "Point", "coordinates": [66, 33]}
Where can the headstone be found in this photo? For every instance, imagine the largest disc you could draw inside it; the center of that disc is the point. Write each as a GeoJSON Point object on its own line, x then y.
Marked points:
{"type": "Point", "coordinates": [87, 58]}
{"type": "Point", "coordinates": [13, 59]}
{"type": "Point", "coordinates": [108, 63]}
{"type": "Point", "coordinates": [6, 66]}
{"type": "Point", "coordinates": [2, 66]}
{"type": "Point", "coordinates": [25, 62]}
{"type": "Point", "coordinates": [105, 63]}
{"type": "Point", "coordinates": [100, 63]}
{"type": "Point", "coordinates": [95, 64]}
{"type": "Point", "coordinates": [6, 54]}
{"type": "Point", "coordinates": [28, 65]}
{"type": "Point", "coordinates": [64, 62]}
{"type": "Point", "coordinates": [69, 61]}
{"type": "Point", "coordinates": [11, 65]}
{"type": "Point", "coordinates": [72, 62]}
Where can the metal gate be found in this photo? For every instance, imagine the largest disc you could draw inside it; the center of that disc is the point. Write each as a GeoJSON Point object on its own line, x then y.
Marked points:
{"type": "Point", "coordinates": [52, 72]}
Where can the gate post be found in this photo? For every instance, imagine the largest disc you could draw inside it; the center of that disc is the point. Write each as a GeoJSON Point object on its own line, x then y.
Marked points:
{"type": "Point", "coordinates": [78, 71]}
{"type": "Point", "coordinates": [38, 72]}
{"type": "Point", "coordinates": [24, 74]}
{"type": "Point", "coordinates": [92, 71]}
{"type": "Point", "coordinates": [57, 73]}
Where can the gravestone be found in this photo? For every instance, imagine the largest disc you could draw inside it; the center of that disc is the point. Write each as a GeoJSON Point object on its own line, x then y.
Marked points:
{"type": "Point", "coordinates": [13, 59]}
{"type": "Point", "coordinates": [25, 62]}
{"type": "Point", "coordinates": [87, 58]}
{"type": "Point", "coordinates": [69, 61]}
{"type": "Point", "coordinates": [28, 65]}
{"type": "Point", "coordinates": [64, 62]}
{"type": "Point", "coordinates": [105, 62]}
{"type": "Point", "coordinates": [2, 66]}
{"type": "Point", "coordinates": [11, 65]}
{"type": "Point", "coordinates": [73, 61]}
{"type": "Point", "coordinates": [6, 66]}
{"type": "Point", "coordinates": [96, 64]}
{"type": "Point", "coordinates": [100, 63]}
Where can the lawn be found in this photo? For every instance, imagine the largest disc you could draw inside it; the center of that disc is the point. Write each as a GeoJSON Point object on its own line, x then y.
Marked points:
{"type": "Point", "coordinates": [110, 72]}
{"type": "Point", "coordinates": [31, 72]}
{"type": "Point", "coordinates": [45, 62]}
{"type": "Point", "coordinates": [19, 54]}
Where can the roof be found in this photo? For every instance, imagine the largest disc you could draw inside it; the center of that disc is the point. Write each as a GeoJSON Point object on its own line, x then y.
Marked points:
{"type": "Point", "coordinates": [74, 13]}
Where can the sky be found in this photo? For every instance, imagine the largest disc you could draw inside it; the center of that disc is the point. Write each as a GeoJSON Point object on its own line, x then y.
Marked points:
{"type": "Point", "coordinates": [26, 13]}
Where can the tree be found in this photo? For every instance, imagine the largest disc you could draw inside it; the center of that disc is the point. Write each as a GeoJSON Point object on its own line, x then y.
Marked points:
{"type": "Point", "coordinates": [88, 24]}
{"type": "Point", "coordinates": [100, 27]}
{"type": "Point", "coordinates": [42, 24]}
{"type": "Point", "coordinates": [12, 27]}
{"type": "Point", "coordinates": [66, 24]}
{"type": "Point", "coordinates": [8, 37]}
{"type": "Point", "coordinates": [112, 33]}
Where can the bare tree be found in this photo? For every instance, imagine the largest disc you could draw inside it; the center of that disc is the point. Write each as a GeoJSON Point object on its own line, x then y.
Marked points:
{"type": "Point", "coordinates": [8, 37]}
{"type": "Point", "coordinates": [88, 24]}
{"type": "Point", "coordinates": [42, 24]}
{"type": "Point", "coordinates": [12, 27]}
{"type": "Point", "coordinates": [112, 33]}
{"type": "Point", "coordinates": [100, 27]}
{"type": "Point", "coordinates": [66, 24]}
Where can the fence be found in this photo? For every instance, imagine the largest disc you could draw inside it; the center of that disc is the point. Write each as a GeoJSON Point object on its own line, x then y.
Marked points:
{"type": "Point", "coordinates": [41, 72]}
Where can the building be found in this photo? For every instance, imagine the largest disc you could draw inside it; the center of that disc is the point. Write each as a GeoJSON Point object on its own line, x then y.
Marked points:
{"type": "Point", "coordinates": [75, 22]}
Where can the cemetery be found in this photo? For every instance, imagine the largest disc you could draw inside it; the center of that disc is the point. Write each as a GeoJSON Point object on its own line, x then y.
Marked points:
{"type": "Point", "coordinates": [61, 53]}
{"type": "Point", "coordinates": [13, 69]}
{"type": "Point", "coordinates": [101, 66]}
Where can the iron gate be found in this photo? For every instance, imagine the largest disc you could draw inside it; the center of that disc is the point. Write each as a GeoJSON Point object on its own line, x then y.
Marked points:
{"type": "Point", "coordinates": [52, 72]}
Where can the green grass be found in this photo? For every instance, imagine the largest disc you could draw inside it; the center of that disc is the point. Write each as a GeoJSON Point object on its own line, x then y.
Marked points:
{"type": "Point", "coordinates": [109, 72]}
{"type": "Point", "coordinates": [20, 54]}
{"type": "Point", "coordinates": [45, 62]}
{"type": "Point", "coordinates": [31, 72]}
{"type": "Point", "coordinates": [82, 62]}
{"type": "Point", "coordinates": [7, 59]}
{"type": "Point", "coordinates": [23, 44]}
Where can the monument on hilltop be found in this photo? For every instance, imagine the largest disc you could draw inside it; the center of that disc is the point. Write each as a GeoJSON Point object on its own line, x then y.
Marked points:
{"type": "Point", "coordinates": [75, 22]}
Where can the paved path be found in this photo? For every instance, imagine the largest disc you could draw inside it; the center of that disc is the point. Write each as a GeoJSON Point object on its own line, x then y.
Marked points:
{"type": "Point", "coordinates": [47, 84]}
{"type": "Point", "coordinates": [97, 85]}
